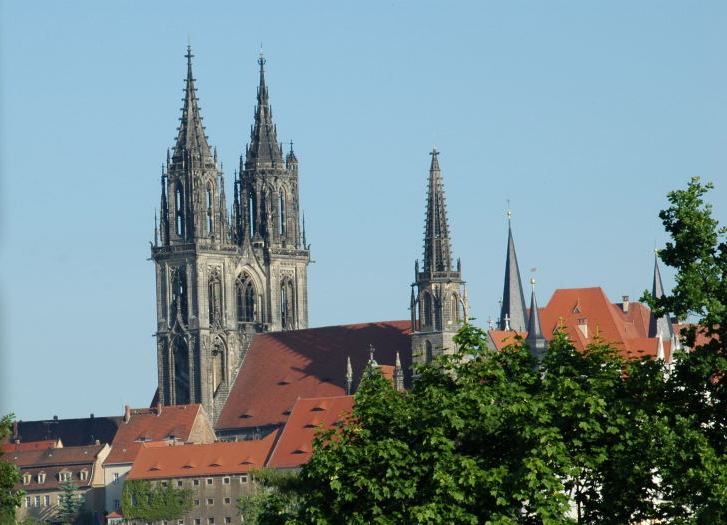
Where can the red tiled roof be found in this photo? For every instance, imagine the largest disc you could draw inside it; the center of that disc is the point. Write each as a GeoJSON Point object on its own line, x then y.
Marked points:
{"type": "Point", "coordinates": [281, 367]}
{"type": "Point", "coordinates": [32, 445]}
{"type": "Point", "coordinates": [52, 461]}
{"type": "Point", "coordinates": [295, 446]}
{"type": "Point", "coordinates": [193, 460]}
{"type": "Point", "coordinates": [503, 338]}
{"type": "Point", "coordinates": [174, 423]}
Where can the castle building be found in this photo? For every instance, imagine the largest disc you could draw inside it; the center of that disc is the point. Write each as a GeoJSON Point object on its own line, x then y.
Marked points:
{"type": "Point", "coordinates": [219, 278]}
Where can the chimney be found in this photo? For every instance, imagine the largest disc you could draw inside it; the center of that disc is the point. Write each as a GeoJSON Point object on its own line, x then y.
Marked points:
{"type": "Point", "coordinates": [159, 409]}
{"type": "Point", "coordinates": [625, 303]}
{"type": "Point", "coordinates": [127, 413]}
{"type": "Point", "coordinates": [55, 418]}
{"type": "Point", "coordinates": [583, 326]}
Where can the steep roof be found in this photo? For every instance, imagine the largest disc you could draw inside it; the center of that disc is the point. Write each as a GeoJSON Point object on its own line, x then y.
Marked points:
{"type": "Point", "coordinates": [264, 151]}
{"type": "Point", "coordinates": [295, 446]}
{"type": "Point", "coordinates": [174, 423]}
{"type": "Point", "coordinates": [281, 367]}
{"type": "Point", "coordinates": [513, 300]}
{"type": "Point", "coordinates": [72, 432]}
{"type": "Point", "coordinates": [192, 460]}
{"type": "Point", "coordinates": [51, 462]}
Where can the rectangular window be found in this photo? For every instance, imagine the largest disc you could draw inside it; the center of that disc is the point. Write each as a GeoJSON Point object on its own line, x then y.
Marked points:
{"type": "Point", "coordinates": [225, 481]}
{"type": "Point", "coordinates": [209, 481]}
{"type": "Point", "coordinates": [210, 521]}
{"type": "Point", "coordinates": [228, 519]}
{"type": "Point", "coordinates": [27, 501]}
{"type": "Point", "coordinates": [36, 501]}
{"type": "Point", "coordinates": [197, 521]}
{"type": "Point", "coordinates": [227, 501]}
{"type": "Point", "coordinates": [117, 504]}
{"type": "Point", "coordinates": [116, 477]}
{"type": "Point", "coordinates": [179, 483]}
{"type": "Point", "coordinates": [164, 484]}
{"type": "Point", "coordinates": [196, 502]}
{"type": "Point", "coordinates": [195, 482]}
{"type": "Point", "coordinates": [180, 522]}
{"type": "Point", "coordinates": [243, 478]}
{"type": "Point", "coordinates": [210, 501]}
{"type": "Point", "coordinates": [47, 501]}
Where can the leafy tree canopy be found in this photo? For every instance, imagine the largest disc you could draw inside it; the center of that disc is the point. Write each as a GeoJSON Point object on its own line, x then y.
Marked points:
{"type": "Point", "coordinates": [9, 476]}
{"type": "Point", "coordinates": [149, 502]}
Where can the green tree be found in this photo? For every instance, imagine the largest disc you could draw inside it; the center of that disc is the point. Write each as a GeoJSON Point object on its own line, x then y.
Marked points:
{"type": "Point", "coordinates": [9, 477]}
{"type": "Point", "coordinates": [275, 498]}
{"type": "Point", "coordinates": [693, 468]}
{"type": "Point", "coordinates": [69, 503]}
{"type": "Point", "coordinates": [145, 501]}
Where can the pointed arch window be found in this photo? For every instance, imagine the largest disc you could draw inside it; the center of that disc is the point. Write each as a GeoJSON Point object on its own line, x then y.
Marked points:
{"type": "Point", "coordinates": [181, 372]}
{"type": "Point", "coordinates": [287, 304]}
{"type": "Point", "coordinates": [456, 309]}
{"type": "Point", "coordinates": [246, 299]}
{"type": "Point", "coordinates": [214, 296]}
{"type": "Point", "coordinates": [179, 209]}
{"type": "Point", "coordinates": [427, 310]}
{"type": "Point", "coordinates": [282, 214]}
{"type": "Point", "coordinates": [179, 293]}
{"type": "Point", "coordinates": [252, 213]}
{"type": "Point", "coordinates": [210, 216]}
{"type": "Point", "coordinates": [429, 355]}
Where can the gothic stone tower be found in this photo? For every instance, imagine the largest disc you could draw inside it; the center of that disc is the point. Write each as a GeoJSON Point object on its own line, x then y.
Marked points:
{"type": "Point", "coordinates": [438, 298]}
{"type": "Point", "coordinates": [216, 286]}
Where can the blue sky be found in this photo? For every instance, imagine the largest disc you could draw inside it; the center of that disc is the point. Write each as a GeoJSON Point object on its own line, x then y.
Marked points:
{"type": "Point", "coordinates": [582, 114]}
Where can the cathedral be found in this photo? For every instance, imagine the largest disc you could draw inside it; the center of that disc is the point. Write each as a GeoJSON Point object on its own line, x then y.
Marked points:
{"type": "Point", "coordinates": [223, 277]}
{"type": "Point", "coordinates": [232, 300]}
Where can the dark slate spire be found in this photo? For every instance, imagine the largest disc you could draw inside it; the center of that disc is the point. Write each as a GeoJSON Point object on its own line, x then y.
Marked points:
{"type": "Point", "coordinates": [513, 300]}
{"type": "Point", "coordinates": [437, 254]}
{"type": "Point", "coordinates": [661, 325]}
{"type": "Point", "coordinates": [191, 145]}
{"type": "Point", "coordinates": [535, 340]}
{"type": "Point", "coordinates": [263, 150]}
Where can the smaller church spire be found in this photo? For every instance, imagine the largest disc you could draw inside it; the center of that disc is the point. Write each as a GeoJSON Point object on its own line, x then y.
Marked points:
{"type": "Point", "coordinates": [535, 340]}
{"type": "Point", "coordinates": [349, 376]}
{"type": "Point", "coordinates": [437, 250]}
{"type": "Point", "coordinates": [663, 324]}
{"type": "Point", "coordinates": [263, 150]}
{"type": "Point", "coordinates": [513, 299]}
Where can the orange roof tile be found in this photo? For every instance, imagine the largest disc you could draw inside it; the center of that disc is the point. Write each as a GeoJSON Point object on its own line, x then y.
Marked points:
{"type": "Point", "coordinates": [502, 338]}
{"type": "Point", "coordinates": [174, 423]}
{"type": "Point", "coordinates": [295, 446]}
{"type": "Point", "coordinates": [32, 445]}
{"type": "Point", "coordinates": [281, 367]}
{"type": "Point", "coordinates": [193, 460]}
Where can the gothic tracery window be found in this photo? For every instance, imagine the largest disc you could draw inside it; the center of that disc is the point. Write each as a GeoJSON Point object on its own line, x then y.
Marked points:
{"type": "Point", "coordinates": [245, 295]}
{"type": "Point", "coordinates": [210, 217]}
{"type": "Point", "coordinates": [427, 307]}
{"type": "Point", "coordinates": [181, 372]}
{"type": "Point", "coordinates": [179, 293]}
{"type": "Point", "coordinates": [218, 364]}
{"type": "Point", "coordinates": [252, 213]}
{"type": "Point", "coordinates": [281, 209]}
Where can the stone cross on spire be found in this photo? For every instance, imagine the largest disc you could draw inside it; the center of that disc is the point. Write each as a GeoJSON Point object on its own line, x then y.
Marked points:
{"type": "Point", "coordinates": [437, 249]}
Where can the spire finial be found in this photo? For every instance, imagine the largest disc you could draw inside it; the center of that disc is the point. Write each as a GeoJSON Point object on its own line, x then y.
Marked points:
{"type": "Point", "coordinates": [509, 212]}
{"type": "Point", "coordinates": [291, 146]}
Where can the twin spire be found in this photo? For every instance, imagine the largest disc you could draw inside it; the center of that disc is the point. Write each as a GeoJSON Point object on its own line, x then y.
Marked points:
{"type": "Point", "coordinates": [191, 145]}
{"type": "Point", "coordinates": [264, 151]}
{"type": "Point", "coordinates": [437, 248]}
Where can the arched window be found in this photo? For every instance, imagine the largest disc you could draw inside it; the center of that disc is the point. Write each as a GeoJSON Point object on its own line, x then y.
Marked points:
{"type": "Point", "coordinates": [252, 212]}
{"type": "Point", "coordinates": [427, 307]}
{"type": "Point", "coordinates": [210, 216]}
{"type": "Point", "coordinates": [245, 296]}
{"type": "Point", "coordinates": [287, 304]}
{"type": "Point", "coordinates": [181, 372]}
{"type": "Point", "coordinates": [179, 209]}
{"type": "Point", "coordinates": [179, 293]}
{"type": "Point", "coordinates": [283, 216]}
{"type": "Point", "coordinates": [455, 313]}
{"type": "Point", "coordinates": [214, 296]}
{"type": "Point", "coordinates": [429, 352]}
{"type": "Point", "coordinates": [218, 364]}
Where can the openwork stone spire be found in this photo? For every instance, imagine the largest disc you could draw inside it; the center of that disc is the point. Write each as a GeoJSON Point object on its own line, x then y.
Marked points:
{"type": "Point", "coordinates": [191, 146]}
{"type": "Point", "coordinates": [513, 300]}
{"type": "Point", "coordinates": [661, 325]}
{"type": "Point", "coordinates": [437, 251]}
{"type": "Point", "coordinates": [264, 150]}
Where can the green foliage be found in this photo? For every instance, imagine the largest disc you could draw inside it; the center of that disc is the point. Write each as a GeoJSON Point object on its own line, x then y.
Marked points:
{"type": "Point", "coordinates": [275, 498]}
{"type": "Point", "coordinates": [144, 501]}
{"type": "Point", "coordinates": [69, 503]}
{"type": "Point", "coordinates": [9, 476]}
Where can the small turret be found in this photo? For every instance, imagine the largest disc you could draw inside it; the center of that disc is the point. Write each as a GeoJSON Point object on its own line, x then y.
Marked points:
{"type": "Point", "coordinates": [398, 374]}
{"type": "Point", "coordinates": [535, 340]}
{"type": "Point", "coordinates": [662, 324]}
{"type": "Point", "coordinates": [349, 376]}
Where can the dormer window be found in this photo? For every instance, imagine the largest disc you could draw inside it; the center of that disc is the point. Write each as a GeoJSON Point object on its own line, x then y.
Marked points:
{"type": "Point", "coordinates": [41, 477]}
{"type": "Point", "coordinates": [26, 479]}
{"type": "Point", "coordinates": [64, 476]}
{"type": "Point", "coordinates": [83, 475]}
